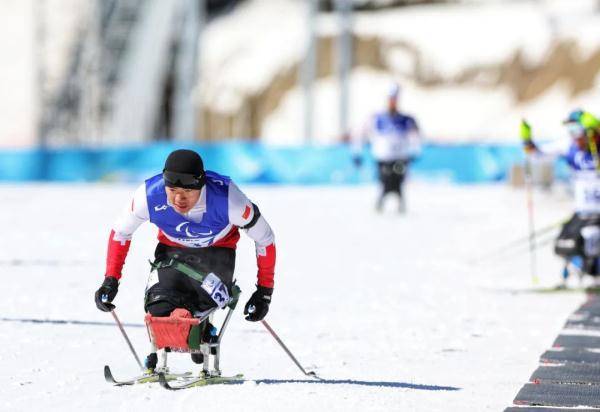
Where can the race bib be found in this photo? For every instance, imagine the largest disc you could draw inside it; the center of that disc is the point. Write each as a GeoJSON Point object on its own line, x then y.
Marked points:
{"type": "Point", "coordinates": [587, 194]}
{"type": "Point", "coordinates": [216, 289]}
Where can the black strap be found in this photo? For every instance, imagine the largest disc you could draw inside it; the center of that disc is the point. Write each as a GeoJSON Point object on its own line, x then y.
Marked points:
{"type": "Point", "coordinates": [254, 218]}
{"type": "Point", "coordinates": [235, 290]}
{"type": "Point", "coordinates": [180, 266]}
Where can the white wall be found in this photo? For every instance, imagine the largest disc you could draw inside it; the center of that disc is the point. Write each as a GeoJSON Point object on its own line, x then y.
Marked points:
{"type": "Point", "coordinates": [17, 74]}
{"type": "Point", "coordinates": [19, 61]}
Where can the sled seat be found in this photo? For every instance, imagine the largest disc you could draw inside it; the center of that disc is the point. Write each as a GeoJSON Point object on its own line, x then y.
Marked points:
{"type": "Point", "coordinates": [173, 331]}
{"type": "Point", "coordinates": [182, 332]}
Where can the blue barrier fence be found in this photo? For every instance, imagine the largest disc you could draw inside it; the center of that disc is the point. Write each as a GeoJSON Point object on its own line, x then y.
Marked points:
{"type": "Point", "coordinates": [251, 162]}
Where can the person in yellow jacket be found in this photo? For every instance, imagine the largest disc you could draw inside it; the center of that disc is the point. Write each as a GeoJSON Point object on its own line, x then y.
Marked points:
{"type": "Point", "coordinates": [579, 239]}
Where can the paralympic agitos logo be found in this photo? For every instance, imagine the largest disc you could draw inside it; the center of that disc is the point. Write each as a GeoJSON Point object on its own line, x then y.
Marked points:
{"type": "Point", "coordinates": [184, 228]}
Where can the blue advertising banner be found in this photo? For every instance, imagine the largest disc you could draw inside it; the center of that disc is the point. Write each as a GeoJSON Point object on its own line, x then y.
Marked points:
{"type": "Point", "coordinates": [253, 162]}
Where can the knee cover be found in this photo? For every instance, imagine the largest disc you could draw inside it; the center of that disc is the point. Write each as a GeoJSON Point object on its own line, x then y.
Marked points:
{"type": "Point", "coordinates": [160, 308]}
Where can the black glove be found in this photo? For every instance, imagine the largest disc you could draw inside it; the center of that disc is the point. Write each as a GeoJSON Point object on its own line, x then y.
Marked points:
{"type": "Point", "coordinates": [109, 289]}
{"type": "Point", "coordinates": [258, 304]}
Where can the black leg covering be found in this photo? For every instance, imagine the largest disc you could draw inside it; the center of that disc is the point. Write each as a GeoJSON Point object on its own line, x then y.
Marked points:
{"type": "Point", "coordinates": [177, 290]}
{"type": "Point", "coordinates": [391, 176]}
{"type": "Point", "coordinates": [160, 308]}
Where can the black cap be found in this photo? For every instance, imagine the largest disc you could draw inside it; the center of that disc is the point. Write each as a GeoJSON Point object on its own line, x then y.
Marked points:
{"type": "Point", "coordinates": [185, 169]}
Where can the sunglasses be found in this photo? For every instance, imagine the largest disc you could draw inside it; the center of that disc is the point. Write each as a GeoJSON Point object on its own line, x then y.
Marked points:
{"type": "Point", "coordinates": [182, 179]}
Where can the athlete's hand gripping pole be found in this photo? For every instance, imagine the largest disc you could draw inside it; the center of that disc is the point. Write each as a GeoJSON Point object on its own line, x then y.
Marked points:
{"type": "Point", "coordinates": [120, 325]}
{"type": "Point", "coordinates": [528, 143]}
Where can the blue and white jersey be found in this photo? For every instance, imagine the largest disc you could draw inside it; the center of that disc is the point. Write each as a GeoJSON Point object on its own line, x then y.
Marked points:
{"type": "Point", "coordinates": [586, 180]}
{"type": "Point", "coordinates": [393, 136]}
{"type": "Point", "coordinates": [579, 160]}
{"type": "Point", "coordinates": [221, 209]}
{"type": "Point", "coordinates": [182, 229]}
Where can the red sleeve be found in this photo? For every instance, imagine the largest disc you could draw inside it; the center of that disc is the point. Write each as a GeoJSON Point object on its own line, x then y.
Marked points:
{"type": "Point", "coordinates": [266, 266]}
{"type": "Point", "coordinates": [115, 257]}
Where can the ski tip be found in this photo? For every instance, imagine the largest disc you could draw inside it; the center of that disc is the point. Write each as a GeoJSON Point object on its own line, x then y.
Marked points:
{"type": "Point", "coordinates": [162, 381]}
{"type": "Point", "coordinates": [108, 374]}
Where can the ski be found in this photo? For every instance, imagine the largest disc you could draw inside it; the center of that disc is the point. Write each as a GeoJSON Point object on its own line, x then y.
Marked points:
{"type": "Point", "coordinates": [559, 289]}
{"type": "Point", "coordinates": [554, 289]}
{"type": "Point", "coordinates": [144, 378]}
{"type": "Point", "coordinates": [202, 381]}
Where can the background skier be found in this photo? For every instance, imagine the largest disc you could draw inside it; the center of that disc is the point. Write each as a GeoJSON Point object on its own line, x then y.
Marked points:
{"type": "Point", "coordinates": [395, 141]}
{"type": "Point", "coordinates": [579, 238]}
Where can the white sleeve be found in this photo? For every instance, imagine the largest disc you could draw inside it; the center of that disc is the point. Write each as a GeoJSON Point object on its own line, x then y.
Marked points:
{"type": "Point", "coordinates": [132, 216]}
{"type": "Point", "coordinates": [555, 147]}
{"type": "Point", "coordinates": [414, 143]}
{"type": "Point", "coordinates": [361, 136]}
{"type": "Point", "coordinates": [241, 212]}
{"type": "Point", "coordinates": [261, 233]}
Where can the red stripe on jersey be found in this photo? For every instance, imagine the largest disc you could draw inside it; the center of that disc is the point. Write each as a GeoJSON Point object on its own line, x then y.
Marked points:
{"type": "Point", "coordinates": [246, 212]}
{"type": "Point", "coordinates": [165, 240]}
{"type": "Point", "coordinates": [229, 240]}
{"type": "Point", "coordinates": [115, 257]}
{"type": "Point", "coordinates": [266, 267]}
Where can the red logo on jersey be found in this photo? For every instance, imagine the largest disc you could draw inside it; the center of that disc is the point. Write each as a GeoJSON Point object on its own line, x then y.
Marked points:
{"type": "Point", "coordinates": [246, 212]}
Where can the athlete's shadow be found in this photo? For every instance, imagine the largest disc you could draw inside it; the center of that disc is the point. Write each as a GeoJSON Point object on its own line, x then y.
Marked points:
{"type": "Point", "coordinates": [70, 322]}
{"type": "Point", "coordinates": [385, 384]}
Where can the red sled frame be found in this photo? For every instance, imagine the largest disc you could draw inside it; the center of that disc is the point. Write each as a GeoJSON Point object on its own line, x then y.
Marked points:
{"type": "Point", "coordinates": [176, 323]}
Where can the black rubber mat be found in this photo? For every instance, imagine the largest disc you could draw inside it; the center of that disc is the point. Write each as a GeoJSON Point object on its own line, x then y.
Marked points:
{"type": "Point", "coordinates": [559, 395]}
{"type": "Point", "coordinates": [570, 355]}
{"type": "Point", "coordinates": [575, 341]}
{"type": "Point", "coordinates": [576, 373]}
{"type": "Point", "coordinates": [584, 315]}
{"type": "Point", "coordinates": [570, 377]}
{"type": "Point", "coordinates": [543, 409]}
{"type": "Point", "coordinates": [592, 307]}
{"type": "Point", "coordinates": [585, 324]}
{"type": "Point", "coordinates": [592, 300]}
{"type": "Point", "coordinates": [589, 312]}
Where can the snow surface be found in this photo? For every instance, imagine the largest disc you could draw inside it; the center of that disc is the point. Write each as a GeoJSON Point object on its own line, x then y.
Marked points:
{"type": "Point", "coordinates": [391, 309]}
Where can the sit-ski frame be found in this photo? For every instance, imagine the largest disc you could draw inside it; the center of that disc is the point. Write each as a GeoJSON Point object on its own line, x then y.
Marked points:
{"type": "Point", "coordinates": [206, 348]}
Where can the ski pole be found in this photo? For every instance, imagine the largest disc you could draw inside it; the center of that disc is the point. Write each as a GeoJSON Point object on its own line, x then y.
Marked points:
{"type": "Point", "coordinates": [526, 136]}
{"type": "Point", "coordinates": [532, 253]}
{"type": "Point", "coordinates": [118, 322]}
{"type": "Point", "coordinates": [278, 339]}
{"type": "Point", "coordinates": [517, 243]}
{"type": "Point", "coordinates": [539, 242]}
